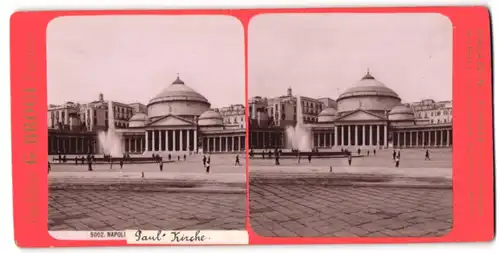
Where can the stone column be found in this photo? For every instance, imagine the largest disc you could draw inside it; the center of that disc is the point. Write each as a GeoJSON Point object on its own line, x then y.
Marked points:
{"type": "Point", "coordinates": [370, 136]}
{"type": "Point", "coordinates": [385, 136]}
{"type": "Point", "coordinates": [174, 148]}
{"type": "Point", "coordinates": [447, 138]}
{"type": "Point", "coordinates": [441, 138]}
{"type": "Point", "coordinates": [166, 140]}
{"type": "Point", "coordinates": [435, 138]}
{"type": "Point", "coordinates": [153, 140]}
{"type": "Point", "coordinates": [181, 140]}
{"type": "Point", "coordinates": [364, 135]}
{"type": "Point", "coordinates": [238, 142]}
{"type": "Point", "coordinates": [220, 144]}
{"type": "Point", "coordinates": [146, 136]}
{"type": "Point", "coordinates": [428, 138]}
{"type": "Point", "coordinates": [335, 136]}
{"type": "Point", "coordinates": [195, 141]}
{"type": "Point", "coordinates": [160, 141]}
{"type": "Point", "coordinates": [226, 139]}
{"type": "Point", "coordinates": [348, 135]}
{"type": "Point", "coordinates": [188, 133]}
{"type": "Point", "coordinates": [356, 135]}
{"type": "Point", "coordinates": [378, 135]}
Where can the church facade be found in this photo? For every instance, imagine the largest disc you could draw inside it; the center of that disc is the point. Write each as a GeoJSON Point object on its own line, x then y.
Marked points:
{"type": "Point", "coordinates": [367, 115]}
{"type": "Point", "coordinates": [178, 120]}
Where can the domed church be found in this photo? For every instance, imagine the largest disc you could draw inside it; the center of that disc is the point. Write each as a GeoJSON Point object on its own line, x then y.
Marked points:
{"type": "Point", "coordinates": [367, 114]}
{"type": "Point", "coordinates": [180, 120]}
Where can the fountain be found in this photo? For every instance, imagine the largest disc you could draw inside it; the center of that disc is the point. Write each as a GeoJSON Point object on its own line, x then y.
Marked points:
{"type": "Point", "coordinates": [298, 136]}
{"type": "Point", "coordinates": [109, 141]}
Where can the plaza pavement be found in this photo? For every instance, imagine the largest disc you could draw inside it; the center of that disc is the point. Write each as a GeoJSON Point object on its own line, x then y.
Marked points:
{"type": "Point", "coordinates": [90, 210]}
{"type": "Point", "coordinates": [182, 197]}
{"type": "Point", "coordinates": [371, 198]}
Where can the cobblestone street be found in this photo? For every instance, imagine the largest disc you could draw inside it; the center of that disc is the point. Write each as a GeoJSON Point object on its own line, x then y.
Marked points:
{"type": "Point", "coordinates": [115, 210]}
{"type": "Point", "coordinates": [315, 211]}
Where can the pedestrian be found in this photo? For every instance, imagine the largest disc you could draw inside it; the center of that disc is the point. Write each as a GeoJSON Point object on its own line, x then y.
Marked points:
{"type": "Point", "coordinates": [161, 165]}
{"type": "Point", "coordinates": [204, 160]}
{"type": "Point", "coordinates": [368, 153]}
{"type": "Point", "coordinates": [427, 155]}
{"type": "Point", "coordinates": [277, 160]}
{"type": "Point", "coordinates": [178, 158]}
{"type": "Point", "coordinates": [349, 159]}
{"type": "Point", "coordinates": [76, 160]}
{"type": "Point", "coordinates": [399, 154]}
{"type": "Point", "coordinates": [263, 154]}
{"type": "Point", "coordinates": [169, 157]}
{"type": "Point", "coordinates": [90, 164]}
{"type": "Point", "coordinates": [184, 157]}
{"type": "Point", "coordinates": [110, 162]}
{"type": "Point", "coordinates": [374, 152]}
{"type": "Point", "coordinates": [299, 158]}
{"type": "Point", "coordinates": [208, 166]}
{"type": "Point", "coordinates": [394, 154]}
{"type": "Point", "coordinates": [359, 151]}
{"type": "Point", "coordinates": [397, 162]}
{"type": "Point", "coordinates": [309, 157]}
{"type": "Point", "coordinates": [208, 159]}
{"type": "Point", "coordinates": [121, 164]}
{"type": "Point", "coordinates": [237, 162]}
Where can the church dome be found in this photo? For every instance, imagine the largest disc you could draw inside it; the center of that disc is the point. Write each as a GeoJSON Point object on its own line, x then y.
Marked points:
{"type": "Point", "coordinates": [138, 120]}
{"type": "Point", "coordinates": [368, 94]}
{"type": "Point", "coordinates": [327, 115]}
{"type": "Point", "coordinates": [210, 118]}
{"type": "Point", "coordinates": [178, 90]}
{"type": "Point", "coordinates": [177, 99]}
{"type": "Point", "coordinates": [401, 112]}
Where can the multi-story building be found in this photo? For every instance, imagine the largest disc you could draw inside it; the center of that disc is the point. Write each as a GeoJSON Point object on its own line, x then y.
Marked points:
{"type": "Point", "coordinates": [63, 117]}
{"type": "Point", "coordinates": [435, 112]}
{"type": "Point", "coordinates": [233, 115]}
{"type": "Point", "coordinates": [178, 121]}
{"type": "Point", "coordinates": [139, 107]}
{"type": "Point", "coordinates": [367, 115]}
{"type": "Point", "coordinates": [328, 103]}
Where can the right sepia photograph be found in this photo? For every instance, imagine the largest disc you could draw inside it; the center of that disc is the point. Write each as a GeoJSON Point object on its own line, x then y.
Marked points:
{"type": "Point", "coordinates": [350, 125]}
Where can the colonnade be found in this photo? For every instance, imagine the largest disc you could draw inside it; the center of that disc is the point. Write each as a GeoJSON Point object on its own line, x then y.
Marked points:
{"type": "Point", "coordinates": [224, 143]}
{"type": "Point", "coordinates": [423, 138]}
{"type": "Point", "coordinates": [71, 144]}
{"type": "Point", "coordinates": [351, 135]}
{"type": "Point", "coordinates": [171, 140]}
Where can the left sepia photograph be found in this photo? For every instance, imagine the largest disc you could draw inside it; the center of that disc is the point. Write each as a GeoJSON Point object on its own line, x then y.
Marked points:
{"type": "Point", "coordinates": [146, 123]}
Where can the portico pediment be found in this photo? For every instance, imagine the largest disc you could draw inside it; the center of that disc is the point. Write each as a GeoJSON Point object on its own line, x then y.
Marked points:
{"type": "Point", "coordinates": [171, 120]}
{"type": "Point", "coordinates": [360, 115]}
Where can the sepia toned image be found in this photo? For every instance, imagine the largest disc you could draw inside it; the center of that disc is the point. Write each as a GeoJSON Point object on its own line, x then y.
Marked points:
{"type": "Point", "coordinates": [142, 133]}
{"type": "Point", "coordinates": [350, 125]}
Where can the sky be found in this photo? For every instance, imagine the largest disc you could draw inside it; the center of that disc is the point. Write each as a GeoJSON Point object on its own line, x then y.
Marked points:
{"type": "Point", "coordinates": [321, 55]}
{"type": "Point", "coordinates": [132, 58]}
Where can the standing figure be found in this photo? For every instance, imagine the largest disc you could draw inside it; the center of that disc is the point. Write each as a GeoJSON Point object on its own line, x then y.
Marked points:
{"type": "Point", "coordinates": [374, 152]}
{"type": "Point", "coordinates": [299, 157]}
{"type": "Point", "coordinates": [394, 154]}
{"type": "Point", "coordinates": [368, 153]}
{"type": "Point", "coordinates": [427, 155]}
{"type": "Point", "coordinates": [76, 160]}
{"type": "Point", "coordinates": [263, 154]}
{"type": "Point", "coordinates": [208, 166]}
{"type": "Point", "coordinates": [121, 163]}
{"type": "Point", "coordinates": [399, 154]}
{"type": "Point", "coordinates": [309, 157]}
{"type": "Point", "coordinates": [169, 157]}
{"type": "Point", "coordinates": [161, 165]}
{"type": "Point", "coordinates": [397, 162]}
{"type": "Point", "coordinates": [237, 161]}
{"type": "Point", "coordinates": [110, 162]}
{"type": "Point", "coordinates": [184, 157]}
{"type": "Point", "coordinates": [90, 163]}
{"type": "Point", "coordinates": [204, 160]}
{"type": "Point", "coordinates": [277, 160]}
{"type": "Point", "coordinates": [349, 159]}
{"type": "Point", "coordinates": [359, 151]}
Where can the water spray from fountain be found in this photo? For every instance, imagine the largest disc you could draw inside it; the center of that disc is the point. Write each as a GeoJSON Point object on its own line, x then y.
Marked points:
{"type": "Point", "coordinates": [109, 141]}
{"type": "Point", "coordinates": [299, 136]}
